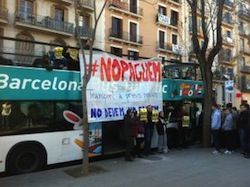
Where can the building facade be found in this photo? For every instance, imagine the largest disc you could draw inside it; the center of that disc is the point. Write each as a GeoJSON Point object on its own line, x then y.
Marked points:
{"type": "Point", "coordinates": [48, 21]}
{"type": "Point", "coordinates": [137, 28]}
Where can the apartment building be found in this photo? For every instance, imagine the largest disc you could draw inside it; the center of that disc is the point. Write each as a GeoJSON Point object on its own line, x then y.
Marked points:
{"type": "Point", "coordinates": [49, 21]}
{"type": "Point", "coordinates": [147, 29]}
{"type": "Point", "coordinates": [243, 65]}
{"type": "Point", "coordinates": [232, 61]}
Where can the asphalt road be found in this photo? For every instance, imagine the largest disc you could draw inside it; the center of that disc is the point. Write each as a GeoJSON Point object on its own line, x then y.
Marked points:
{"type": "Point", "coordinates": [179, 168]}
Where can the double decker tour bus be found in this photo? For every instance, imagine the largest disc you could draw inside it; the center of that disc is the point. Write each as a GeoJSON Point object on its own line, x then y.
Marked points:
{"type": "Point", "coordinates": [40, 107]}
{"type": "Point", "coordinates": [40, 119]}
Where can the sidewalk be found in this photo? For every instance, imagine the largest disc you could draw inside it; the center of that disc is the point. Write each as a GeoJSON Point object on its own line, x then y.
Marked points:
{"type": "Point", "coordinates": [180, 168]}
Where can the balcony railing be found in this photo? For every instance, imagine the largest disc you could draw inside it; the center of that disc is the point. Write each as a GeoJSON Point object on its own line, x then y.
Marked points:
{"type": "Point", "coordinates": [245, 68]}
{"type": "Point", "coordinates": [244, 14]}
{"type": "Point", "coordinates": [176, 1]}
{"type": "Point", "coordinates": [173, 22]}
{"type": "Point", "coordinates": [228, 20]}
{"type": "Point", "coordinates": [229, 3]}
{"type": "Point", "coordinates": [164, 46]}
{"type": "Point", "coordinates": [129, 37]}
{"type": "Point", "coordinates": [4, 13]}
{"type": "Point", "coordinates": [224, 57]}
{"type": "Point", "coordinates": [245, 50]}
{"type": "Point", "coordinates": [245, 84]}
{"type": "Point", "coordinates": [87, 3]}
{"type": "Point", "coordinates": [45, 22]}
{"type": "Point", "coordinates": [123, 6]}
{"type": "Point", "coordinates": [85, 31]}
{"type": "Point", "coordinates": [242, 31]}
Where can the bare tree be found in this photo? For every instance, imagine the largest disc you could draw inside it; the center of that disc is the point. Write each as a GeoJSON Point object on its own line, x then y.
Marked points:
{"type": "Point", "coordinates": [206, 55]}
{"type": "Point", "coordinates": [87, 69]}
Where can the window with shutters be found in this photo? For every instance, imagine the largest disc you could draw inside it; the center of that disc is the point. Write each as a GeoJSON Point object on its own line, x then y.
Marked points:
{"type": "Point", "coordinates": [116, 30]}
{"type": "Point", "coordinates": [162, 10]}
{"type": "Point", "coordinates": [25, 9]}
{"type": "Point", "coordinates": [162, 39]}
{"type": "Point", "coordinates": [174, 39]}
{"type": "Point", "coordinates": [133, 55]}
{"type": "Point", "coordinates": [25, 49]}
{"type": "Point", "coordinates": [174, 18]}
{"type": "Point", "coordinates": [116, 51]}
{"type": "Point", "coordinates": [133, 32]}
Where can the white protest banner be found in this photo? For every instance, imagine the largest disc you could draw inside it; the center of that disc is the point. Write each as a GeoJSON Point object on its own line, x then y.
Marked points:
{"type": "Point", "coordinates": [117, 84]}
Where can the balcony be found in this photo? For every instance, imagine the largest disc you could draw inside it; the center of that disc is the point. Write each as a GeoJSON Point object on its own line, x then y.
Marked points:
{"type": "Point", "coordinates": [85, 32]}
{"type": "Point", "coordinates": [87, 4]}
{"type": "Point", "coordinates": [44, 23]}
{"type": "Point", "coordinates": [245, 84]}
{"type": "Point", "coordinates": [245, 50]}
{"type": "Point", "coordinates": [243, 32]}
{"type": "Point", "coordinates": [225, 58]}
{"type": "Point", "coordinates": [229, 3]}
{"type": "Point", "coordinates": [177, 2]}
{"type": "Point", "coordinates": [228, 21]}
{"type": "Point", "coordinates": [4, 15]}
{"type": "Point", "coordinates": [244, 14]}
{"type": "Point", "coordinates": [125, 37]}
{"type": "Point", "coordinates": [123, 7]}
{"type": "Point", "coordinates": [168, 47]}
{"type": "Point", "coordinates": [245, 69]}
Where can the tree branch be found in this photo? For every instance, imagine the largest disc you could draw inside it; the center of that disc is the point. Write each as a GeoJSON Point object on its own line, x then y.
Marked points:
{"type": "Point", "coordinates": [215, 50]}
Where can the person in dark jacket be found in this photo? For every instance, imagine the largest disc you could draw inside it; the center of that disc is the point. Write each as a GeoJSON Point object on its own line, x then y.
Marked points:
{"type": "Point", "coordinates": [139, 134]}
{"type": "Point", "coordinates": [149, 129]}
{"type": "Point", "coordinates": [161, 127]}
{"type": "Point", "coordinates": [128, 134]}
{"type": "Point", "coordinates": [242, 126]}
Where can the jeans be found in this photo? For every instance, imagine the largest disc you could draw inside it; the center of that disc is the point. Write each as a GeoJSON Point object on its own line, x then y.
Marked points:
{"type": "Point", "coordinates": [229, 140]}
{"type": "Point", "coordinates": [216, 139]}
{"type": "Point", "coordinates": [148, 137]}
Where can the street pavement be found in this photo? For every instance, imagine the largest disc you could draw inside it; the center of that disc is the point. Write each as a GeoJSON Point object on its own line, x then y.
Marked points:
{"type": "Point", "coordinates": [193, 167]}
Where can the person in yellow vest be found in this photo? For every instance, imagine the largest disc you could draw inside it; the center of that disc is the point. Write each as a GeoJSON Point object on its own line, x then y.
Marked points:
{"type": "Point", "coordinates": [185, 123]}
{"type": "Point", "coordinates": [6, 111]}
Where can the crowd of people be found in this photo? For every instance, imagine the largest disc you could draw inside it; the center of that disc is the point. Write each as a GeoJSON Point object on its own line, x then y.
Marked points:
{"type": "Point", "coordinates": [138, 131]}
{"type": "Point", "coordinates": [231, 129]}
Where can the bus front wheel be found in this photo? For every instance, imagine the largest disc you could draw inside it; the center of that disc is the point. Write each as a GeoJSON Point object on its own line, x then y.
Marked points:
{"type": "Point", "coordinates": [26, 158]}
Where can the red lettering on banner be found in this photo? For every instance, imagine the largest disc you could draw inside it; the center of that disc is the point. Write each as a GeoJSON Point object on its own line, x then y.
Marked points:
{"type": "Point", "coordinates": [105, 69]}
{"type": "Point", "coordinates": [132, 72]}
{"type": "Point", "coordinates": [116, 69]}
{"type": "Point", "coordinates": [124, 68]}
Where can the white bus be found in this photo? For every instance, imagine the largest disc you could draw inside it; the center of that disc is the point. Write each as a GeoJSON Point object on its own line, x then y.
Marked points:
{"type": "Point", "coordinates": [40, 123]}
